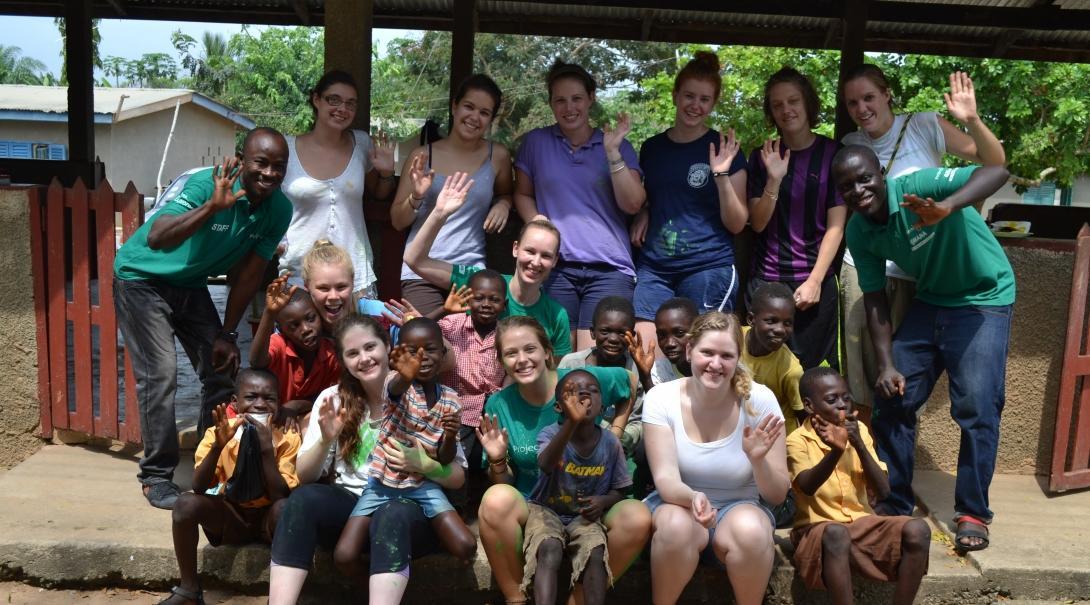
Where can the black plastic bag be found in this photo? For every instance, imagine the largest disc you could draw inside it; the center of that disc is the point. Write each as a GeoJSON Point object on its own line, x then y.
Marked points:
{"type": "Point", "coordinates": [247, 483]}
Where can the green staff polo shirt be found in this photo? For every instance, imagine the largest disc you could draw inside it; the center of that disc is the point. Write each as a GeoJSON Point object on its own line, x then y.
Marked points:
{"type": "Point", "coordinates": [215, 247]}
{"type": "Point", "coordinates": [524, 421]}
{"type": "Point", "coordinates": [547, 312]}
{"type": "Point", "coordinates": [956, 263]}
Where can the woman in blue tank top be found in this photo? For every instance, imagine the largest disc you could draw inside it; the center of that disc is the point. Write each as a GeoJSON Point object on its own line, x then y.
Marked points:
{"type": "Point", "coordinates": [461, 241]}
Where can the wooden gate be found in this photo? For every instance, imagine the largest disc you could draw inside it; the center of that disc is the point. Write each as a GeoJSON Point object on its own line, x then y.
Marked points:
{"type": "Point", "coordinates": [75, 233]}
{"type": "Point", "coordinates": [1071, 446]}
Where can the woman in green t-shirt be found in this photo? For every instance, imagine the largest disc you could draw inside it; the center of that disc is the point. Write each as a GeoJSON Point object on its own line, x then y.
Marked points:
{"type": "Point", "coordinates": [508, 433]}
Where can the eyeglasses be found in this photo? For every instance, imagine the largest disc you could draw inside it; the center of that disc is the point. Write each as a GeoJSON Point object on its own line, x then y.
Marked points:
{"type": "Point", "coordinates": [337, 101]}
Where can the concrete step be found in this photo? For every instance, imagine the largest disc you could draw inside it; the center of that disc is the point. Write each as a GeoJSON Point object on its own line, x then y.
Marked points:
{"type": "Point", "coordinates": [73, 516]}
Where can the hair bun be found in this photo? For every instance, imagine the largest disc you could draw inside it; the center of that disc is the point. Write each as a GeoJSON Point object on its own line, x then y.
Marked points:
{"type": "Point", "coordinates": [708, 58]}
{"type": "Point", "coordinates": [322, 243]}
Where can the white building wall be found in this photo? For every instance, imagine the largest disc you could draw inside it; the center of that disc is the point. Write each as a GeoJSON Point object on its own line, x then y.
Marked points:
{"type": "Point", "coordinates": [132, 149]}
{"type": "Point", "coordinates": [201, 138]}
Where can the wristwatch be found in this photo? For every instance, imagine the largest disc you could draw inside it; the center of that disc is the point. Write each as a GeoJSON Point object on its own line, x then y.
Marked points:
{"type": "Point", "coordinates": [228, 336]}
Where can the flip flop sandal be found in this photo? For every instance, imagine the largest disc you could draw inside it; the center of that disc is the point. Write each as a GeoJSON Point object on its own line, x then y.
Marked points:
{"type": "Point", "coordinates": [970, 527]}
{"type": "Point", "coordinates": [193, 596]}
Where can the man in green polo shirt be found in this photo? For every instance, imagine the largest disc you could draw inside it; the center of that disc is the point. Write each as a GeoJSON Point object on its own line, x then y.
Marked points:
{"type": "Point", "coordinates": [232, 215]}
{"type": "Point", "coordinates": [959, 321]}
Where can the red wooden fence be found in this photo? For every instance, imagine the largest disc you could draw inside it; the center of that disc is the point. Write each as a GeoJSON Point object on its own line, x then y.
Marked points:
{"type": "Point", "coordinates": [74, 236]}
{"type": "Point", "coordinates": [1071, 445]}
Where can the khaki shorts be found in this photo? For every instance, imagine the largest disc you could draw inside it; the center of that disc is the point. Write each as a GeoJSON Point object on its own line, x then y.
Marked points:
{"type": "Point", "coordinates": [579, 536]}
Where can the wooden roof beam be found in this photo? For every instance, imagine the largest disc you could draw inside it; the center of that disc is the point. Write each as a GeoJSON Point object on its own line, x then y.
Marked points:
{"type": "Point", "coordinates": [119, 7]}
{"type": "Point", "coordinates": [301, 11]}
{"type": "Point", "coordinates": [1004, 41]}
{"type": "Point", "coordinates": [645, 26]}
{"type": "Point", "coordinates": [1046, 16]}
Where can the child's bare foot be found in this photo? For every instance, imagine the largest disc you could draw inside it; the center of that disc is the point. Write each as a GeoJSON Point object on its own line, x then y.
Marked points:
{"type": "Point", "coordinates": [181, 596]}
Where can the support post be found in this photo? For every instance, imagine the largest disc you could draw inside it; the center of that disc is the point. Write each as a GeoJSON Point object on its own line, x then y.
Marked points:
{"type": "Point", "coordinates": [851, 56]}
{"type": "Point", "coordinates": [461, 46]}
{"type": "Point", "coordinates": [79, 53]}
{"type": "Point", "coordinates": [348, 25]}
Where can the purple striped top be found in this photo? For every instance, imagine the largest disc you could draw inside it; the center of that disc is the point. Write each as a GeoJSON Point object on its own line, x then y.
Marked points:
{"type": "Point", "coordinates": [787, 249]}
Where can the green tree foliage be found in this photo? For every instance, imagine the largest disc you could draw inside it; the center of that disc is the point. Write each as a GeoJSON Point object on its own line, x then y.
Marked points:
{"type": "Point", "coordinates": [17, 69]}
{"type": "Point", "coordinates": [272, 75]}
{"type": "Point", "coordinates": [1040, 111]}
{"type": "Point", "coordinates": [412, 81]}
{"type": "Point", "coordinates": [210, 70]}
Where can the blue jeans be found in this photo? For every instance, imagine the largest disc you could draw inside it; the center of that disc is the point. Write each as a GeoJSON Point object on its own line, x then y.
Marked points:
{"type": "Point", "coordinates": [713, 289]}
{"type": "Point", "coordinates": [970, 344]}
{"type": "Point", "coordinates": [150, 315]}
{"type": "Point", "coordinates": [578, 287]}
{"type": "Point", "coordinates": [429, 495]}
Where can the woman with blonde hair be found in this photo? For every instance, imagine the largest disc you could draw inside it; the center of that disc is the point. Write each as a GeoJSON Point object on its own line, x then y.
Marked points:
{"type": "Point", "coordinates": [716, 446]}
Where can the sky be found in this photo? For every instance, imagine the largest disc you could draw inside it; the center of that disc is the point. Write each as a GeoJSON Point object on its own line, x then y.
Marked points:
{"type": "Point", "coordinates": [38, 37]}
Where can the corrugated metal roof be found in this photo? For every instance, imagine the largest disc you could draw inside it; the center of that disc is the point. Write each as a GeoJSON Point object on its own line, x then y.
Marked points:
{"type": "Point", "coordinates": [54, 99]}
{"type": "Point", "coordinates": [1059, 30]}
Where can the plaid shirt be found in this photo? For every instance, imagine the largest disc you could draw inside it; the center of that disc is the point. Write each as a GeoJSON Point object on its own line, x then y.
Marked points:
{"type": "Point", "coordinates": [478, 372]}
{"type": "Point", "coordinates": [406, 417]}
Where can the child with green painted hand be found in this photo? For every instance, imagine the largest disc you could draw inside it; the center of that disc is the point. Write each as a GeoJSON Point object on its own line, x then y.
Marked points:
{"type": "Point", "coordinates": [582, 474]}
{"type": "Point", "coordinates": [418, 409]}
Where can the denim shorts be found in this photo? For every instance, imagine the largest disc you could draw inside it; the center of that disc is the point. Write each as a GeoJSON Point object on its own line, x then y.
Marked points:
{"type": "Point", "coordinates": [707, 556]}
{"type": "Point", "coordinates": [579, 286]}
{"type": "Point", "coordinates": [714, 289]}
{"type": "Point", "coordinates": [428, 495]}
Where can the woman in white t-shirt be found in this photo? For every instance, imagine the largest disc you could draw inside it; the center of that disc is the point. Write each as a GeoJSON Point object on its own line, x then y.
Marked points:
{"type": "Point", "coordinates": [904, 143]}
{"type": "Point", "coordinates": [329, 168]}
{"type": "Point", "coordinates": [343, 430]}
{"type": "Point", "coordinates": [715, 442]}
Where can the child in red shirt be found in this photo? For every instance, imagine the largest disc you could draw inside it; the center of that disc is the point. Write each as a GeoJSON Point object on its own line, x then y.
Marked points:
{"type": "Point", "coordinates": [302, 359]}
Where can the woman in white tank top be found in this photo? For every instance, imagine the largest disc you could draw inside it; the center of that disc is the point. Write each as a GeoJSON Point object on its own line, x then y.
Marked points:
{"type": "Point", "coordinates": [329, 169]}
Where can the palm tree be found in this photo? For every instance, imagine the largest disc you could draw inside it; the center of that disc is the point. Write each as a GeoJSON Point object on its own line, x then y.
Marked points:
{"type": "Point", "coordinates": [96, 60]}
{"type": "Point", "coordinates": [17, 69]}
{"type": "Point", "coordinates": [116, 67]}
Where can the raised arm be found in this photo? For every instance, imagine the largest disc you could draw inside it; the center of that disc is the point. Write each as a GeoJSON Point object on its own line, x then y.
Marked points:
{"type": "Point", "coordinates": [982, 183]}
{"type": "Point", "coordinates": [765, 446]}
{"type": "Point", "coordinates": [277, 296]}
{"type": "Point", "coordinates": [325, 425]}
{"type": "Point", "coordinates": [628, 188]}
{"type": "Point", "coordinates": [980, 146]}
{"type": "Point", "coordinates": [450, 199]}
{"type": "Point", "coordinates": [411, 190]}
{"type": "Point", "coordinates": [732, 189]}
{"type": "Point", "coordinates": [762, 208]}
{"type": "Point", "coordinates": [380, 179]}
{"type": "Point", "coordinates": [574, 412]}
{"type": "Point", "coordinates": [170, 230]}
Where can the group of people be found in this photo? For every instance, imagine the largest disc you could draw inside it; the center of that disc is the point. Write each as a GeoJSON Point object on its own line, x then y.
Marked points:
{"type": "Point", "coordinates": [603, 400]}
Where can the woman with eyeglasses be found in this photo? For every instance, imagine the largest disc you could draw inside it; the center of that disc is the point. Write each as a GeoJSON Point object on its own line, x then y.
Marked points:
{"type": "Point", "coordinates": [329, 169]}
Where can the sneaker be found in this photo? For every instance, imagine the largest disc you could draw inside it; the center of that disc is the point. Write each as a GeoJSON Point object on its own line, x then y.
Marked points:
{"type": "Point", "coordinates": [162, 494]}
